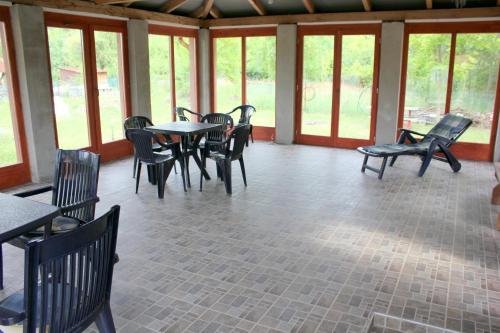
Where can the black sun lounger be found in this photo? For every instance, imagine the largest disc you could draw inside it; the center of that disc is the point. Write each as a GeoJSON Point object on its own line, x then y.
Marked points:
{"type": "Point", "coordinates": [438, 140]}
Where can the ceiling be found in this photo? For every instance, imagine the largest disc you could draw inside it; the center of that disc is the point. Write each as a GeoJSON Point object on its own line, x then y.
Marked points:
{"type": "Point", "coordinates": [244, 8]}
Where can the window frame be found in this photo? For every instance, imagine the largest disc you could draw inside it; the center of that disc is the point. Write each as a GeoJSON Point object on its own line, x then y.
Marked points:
{"type": "Point", "coordinates": [466, 150]}
{"type": "Point", "coordinates": [259, 132]}
{"type": "Point", "coordinates": [154, 29]}
{"type": "Point", "coordinates": [18, 173]}
{"type": "Point", "coordinates": [88, 25]}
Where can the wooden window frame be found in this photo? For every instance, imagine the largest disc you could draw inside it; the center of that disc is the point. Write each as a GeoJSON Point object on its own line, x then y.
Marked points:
{"type": "Point", "coordinates": [465, 150]}
{"type": "Point", "coordinates": [19, 173]}
{"type": "Point", "coordinates": [259, 132]}
{"type": "Point", "coordinates": [88, 25]}
{"type": "Point", "coordinates": [179, 32]}
{"type": "Point", "coordinates": [336, 30]}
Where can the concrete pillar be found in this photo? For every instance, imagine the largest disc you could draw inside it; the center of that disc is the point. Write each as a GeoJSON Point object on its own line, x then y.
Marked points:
{"type": "Point", "coordinates": [34, 83]}
{"type": "Point", "coordinates": [286, 49]}
{"type": "Point", "coordinates": [204, 70]}
{"type": "Point", "coordinates": [138, 56]}
{"type": "Point", "coordinates": [391, 55]}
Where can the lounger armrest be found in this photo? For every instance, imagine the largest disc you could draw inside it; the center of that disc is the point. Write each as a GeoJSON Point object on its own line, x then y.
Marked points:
{"type": "Point", "coordinates": [411, 131]}
{"type": "Point", "coordinates": [29, 193]}
{"type": "Point", "coordinates": [10, 317]}
{"type": "Point", "coordinates": [442, 139]}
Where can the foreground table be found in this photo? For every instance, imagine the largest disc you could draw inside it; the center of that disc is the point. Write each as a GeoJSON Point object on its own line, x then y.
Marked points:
{"type": "Point", "coordinates": [20, 215]}
{"type": "Point", "coordinates": [185, 130]}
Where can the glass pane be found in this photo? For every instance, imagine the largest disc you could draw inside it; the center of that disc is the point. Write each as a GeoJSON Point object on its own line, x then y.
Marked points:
{"type": "Point", "coordinates": [109, 60]}
{"type": "Point", "coordinates": [260, 78]}
{"type": "Point", "coordinates": [358, 57]}
{"type": "Point", "coordinates": [426, 80]}
{"type": "Point", "coordinates": [317, 85]}
{"type": "Point", "coordinates": [68, 84]}
{"type": "Point", "coordinates": [185, 72]}
{"type": "Point", "coordinates": [228, 73]}
{"type": "Point", "coordinates": [160, 76]}
{"type": "Point", "coordinates": [475, 82]}
{"type": "Point", "coordinates": [9, 153]}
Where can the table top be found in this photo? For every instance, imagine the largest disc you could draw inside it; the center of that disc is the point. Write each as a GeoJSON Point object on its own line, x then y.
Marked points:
{"type": "Point", "coordinates": [184, 128]}
{"type": "Point", "coordinates": [20, 215]}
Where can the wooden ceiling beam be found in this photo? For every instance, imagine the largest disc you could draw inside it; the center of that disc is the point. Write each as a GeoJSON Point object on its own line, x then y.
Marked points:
{"type": "Point", "coordinates": [215, 12]}
{"type": "Point", "coordinates": [498, 2]}
{"type": "Point", "coordinates": [367, 5]}
{"type": "Point", "coordinates": [428, 4]}
{"type": "Point", "coordinates": [203, 10]}
{"type": "Point", "coordinates": [172, 5]}
{"type": "Point", "coordinates": [112, 2]}
{"type": "Point", "coordinates": [259, 8]}
{"type": "Point", "coordinates": [309, 6]}
{"type": "Point", "coordinates": [396, 15]}
{"type": "Point", "coordinates": [120, 11]}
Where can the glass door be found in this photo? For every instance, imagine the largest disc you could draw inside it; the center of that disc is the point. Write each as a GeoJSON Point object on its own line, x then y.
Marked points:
{"type": "Point", "coordinates": [337, 85]}
{"type": "Point", "coordinates": [89, 83]}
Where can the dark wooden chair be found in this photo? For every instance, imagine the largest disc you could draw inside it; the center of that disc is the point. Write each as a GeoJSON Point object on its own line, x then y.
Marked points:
{"type": "Point", "coordinates": [142, 122]}
{"type": "Point", "coordinates": [245, 114]}
{"type": "Point", "coordinates": [182, 114]}
{"type": "Point", "coordinates": [159, 162]}
{"type": "Point", "coordinates": [232, 150]}
{"type": "Point", "coordinates": [74, 189]}
{"type": "Point", "coordinates": [439, 140]}
{"type": "Point", "coordinates": [67, 281]}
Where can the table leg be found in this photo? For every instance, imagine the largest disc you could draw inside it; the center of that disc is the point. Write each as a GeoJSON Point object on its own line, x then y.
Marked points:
{"type": "Point", "coordinates": [202, 169]}
{"type": "Point", "coordinates": [182, 160]}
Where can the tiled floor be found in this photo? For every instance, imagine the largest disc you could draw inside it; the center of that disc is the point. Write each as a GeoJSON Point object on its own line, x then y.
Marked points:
{"type": "Point", "coordinates": [312, 245]}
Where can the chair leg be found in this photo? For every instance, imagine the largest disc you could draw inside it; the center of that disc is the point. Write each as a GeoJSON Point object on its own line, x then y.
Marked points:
{"type": "Point", "coordinates": [226, 170]}
{"type": "Point", "coordinates": [175, 168]}
{"type": "Point", "coordinates": [135, 166]}
{"type": "Point", "coordinates": [138, 176]}
{"type": "Point", "coordinates": [161, 179]}
{"type": "Point", "coordinates": [1, 266]}
{"type": "Point", "coordinates": [365, 161]}
{"type": "Point", "coordinates": [242, 165]}
{"type": "Point", "coordinates": [219, 171]}
{"type": "Point", "coordinates": [251, 132]}
{"type": "Point", "coordinates": [187, 171]}
{"type": "Point", "coordinates": [104, 320]}
{"type": "Point", "coordinates": [203, 165]}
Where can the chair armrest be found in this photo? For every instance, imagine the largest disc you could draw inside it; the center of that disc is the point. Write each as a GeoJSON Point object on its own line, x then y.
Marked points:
{"type": "Point", "coordinates": [29, 193]}
{"type": "Point", "coordinates": [411, 132]}
{"type": "Point", "coordinates": [10, 317]}
{"type": "Point", "coordinates": [167, 145]}
{"type": "Point", "coordinates": [80, 204]}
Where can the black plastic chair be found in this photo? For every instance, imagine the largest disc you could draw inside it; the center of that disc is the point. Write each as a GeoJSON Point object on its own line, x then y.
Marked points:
{"type": "Point", "coordinates": [160, 163]}
{"type": "Point", "coordinates": [246, 113]}
{"type": "Point", "coordinates": [142, 122]}
{"type": "Point", "coordinates": [74, 189]}
{"type": "Point", "coordinates": [182, 114]}
{"type": "Point", "coordinates": [67, 281]}
{"type": "Point", "coordinates": [439, 140]}
{"type": "Point", "coordinates": [232, 151]}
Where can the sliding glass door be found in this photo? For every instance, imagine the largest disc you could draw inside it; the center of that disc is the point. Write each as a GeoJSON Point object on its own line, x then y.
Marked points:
{"type": "Point", "coordinates": [89, 83]}
{"type": "Point", "coordinates": [244, 70]}
{"type": "Point", "coordinates": [14, 164]}
{"type": "Point", "coordinates": [337, 85]}
{"type": "Point", "coordinates": [172, 72]}
{"type": "Point", "coordinates": [450, 68]}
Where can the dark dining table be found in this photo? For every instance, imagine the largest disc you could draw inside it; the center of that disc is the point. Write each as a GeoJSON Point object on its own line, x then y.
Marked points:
{"type": "Point", "coordinates": [186, 131]}
{"type": "Point", "coordinates": [20, 215]}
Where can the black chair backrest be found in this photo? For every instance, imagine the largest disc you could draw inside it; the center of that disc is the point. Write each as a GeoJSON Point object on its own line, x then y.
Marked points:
{"type": "Point", "coordinates": [68, 277]}
{"type": "Point", "coordinates": [450, 127]}
{"type": "Point", "coordinates": [239, 138]}
{"type": "Point", "coordinates": [75, 181]}
{"type": "Point", "coordinates": [246, 112]}
{"type": "Point", "coordinates": [218, 118]}
{"type": "Point", "coordinates": [143, 144]}
{"type": "Point", "coordinates": [182, 114]}
{"type": "Point", "coordinates": [136, 122]}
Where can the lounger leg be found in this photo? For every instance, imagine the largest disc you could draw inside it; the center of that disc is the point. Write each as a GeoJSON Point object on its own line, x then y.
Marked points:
{"type": "Point", "coordinates": [365, 161]}
{"type": "Point", "coordinates": [393, 160]}
{"type": "Point", "coordinates": [426, 161]}
{"type": "Point", "coordinates": [382, 168]}
{"type": "Point", "coordinates": [452, 161]}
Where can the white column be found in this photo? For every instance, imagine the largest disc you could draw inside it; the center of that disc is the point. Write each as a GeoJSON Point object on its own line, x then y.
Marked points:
{"type": "Point", "coordinates": [286, 49]}
{"type": "Point", "coordinates": [34, 82]}
{"type": "Point", "coordinates": [204, 70]}
{"type": "Point", "coordinates": [391, 55]}
{"type": "Point", "coordinates": [138, 56]}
